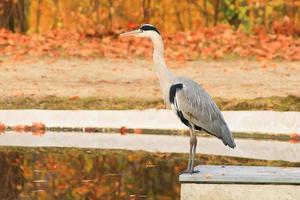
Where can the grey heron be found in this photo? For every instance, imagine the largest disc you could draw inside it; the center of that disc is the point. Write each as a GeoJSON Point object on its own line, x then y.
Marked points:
{"type": "Point", "coordinates": [189, 101]}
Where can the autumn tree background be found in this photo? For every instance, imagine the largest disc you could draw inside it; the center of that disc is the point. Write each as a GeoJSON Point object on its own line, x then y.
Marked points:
{"type": "Point", "coordinates": [169, 15]}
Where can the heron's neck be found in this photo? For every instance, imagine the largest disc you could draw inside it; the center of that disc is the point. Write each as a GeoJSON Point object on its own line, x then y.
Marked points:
{"type": "Point", "coordinates": [164, 75]}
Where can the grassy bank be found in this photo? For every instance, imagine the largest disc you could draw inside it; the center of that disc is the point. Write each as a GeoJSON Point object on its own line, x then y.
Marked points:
{"type": "Point", "coordinates": [289, 103]}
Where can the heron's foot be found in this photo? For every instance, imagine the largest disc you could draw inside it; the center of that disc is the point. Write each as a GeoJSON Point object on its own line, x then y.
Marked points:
{"type": "Point", "coordinates": [189, 171]}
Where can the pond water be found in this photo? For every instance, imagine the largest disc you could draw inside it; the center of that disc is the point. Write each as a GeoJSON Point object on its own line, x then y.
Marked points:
{"type": "Point", "coordinates": [247, 148]}
{"type": "Point", "coordinates": [66, 173]}
{"type": "Point", "coordinates": [86, 174]}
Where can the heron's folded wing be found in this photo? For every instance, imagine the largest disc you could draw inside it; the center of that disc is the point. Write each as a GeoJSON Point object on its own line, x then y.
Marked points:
{"type": "Point", "coordinates": [198, 107]}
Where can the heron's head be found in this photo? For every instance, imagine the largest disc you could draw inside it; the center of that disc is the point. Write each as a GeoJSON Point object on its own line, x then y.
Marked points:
{"type": "Point", "coordinates": [146, 30]}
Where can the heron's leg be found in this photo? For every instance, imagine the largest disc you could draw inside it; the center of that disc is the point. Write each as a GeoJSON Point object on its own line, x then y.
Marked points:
{"type": "Point", "coordinates": [193, 144]}
{"type": "Point", "coordinates": [194, 141]}
{"type": "Point", "coordinates": [189, 167]}
{"type": "Point", "coordinates": [190, 155]}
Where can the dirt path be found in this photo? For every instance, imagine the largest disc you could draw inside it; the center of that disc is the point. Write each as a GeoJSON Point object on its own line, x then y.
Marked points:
{"type": "Point", "coordinates": [137, 79]}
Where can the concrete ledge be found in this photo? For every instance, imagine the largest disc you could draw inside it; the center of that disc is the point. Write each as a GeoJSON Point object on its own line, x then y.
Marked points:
{"type": "Point", "coordinates": [239, 192]}
{"type": "Point", "coordinates": [156, 143]}
{"type": "Point", "coordinates": [243, 174]}
{"type": "Point", "coordinates": [244, 183]}
{"type": "Point", "coordinates": [238, 121]}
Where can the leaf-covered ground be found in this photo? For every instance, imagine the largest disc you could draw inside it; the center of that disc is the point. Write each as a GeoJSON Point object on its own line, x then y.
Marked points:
{"type": "Point", "coordinates": [217, 42]}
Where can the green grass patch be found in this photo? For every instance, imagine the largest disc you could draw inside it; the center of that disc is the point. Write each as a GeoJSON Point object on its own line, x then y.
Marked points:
{"type": "Point", "coordinates": [289, 103]}
{"type": "Point", "coordinates": [88, 103]}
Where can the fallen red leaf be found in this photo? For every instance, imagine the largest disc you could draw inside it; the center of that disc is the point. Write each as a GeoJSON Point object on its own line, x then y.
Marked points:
{"type": "Point", "coordinates": [2, 128]}
{"type": "Point", "coordinates": [137, 131]}
{"type": "Point", "coordinates": [123, 130]}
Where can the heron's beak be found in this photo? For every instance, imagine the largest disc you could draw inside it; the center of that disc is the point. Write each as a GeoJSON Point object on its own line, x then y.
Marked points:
{"type": "Point", "coordinates": [131, 33]}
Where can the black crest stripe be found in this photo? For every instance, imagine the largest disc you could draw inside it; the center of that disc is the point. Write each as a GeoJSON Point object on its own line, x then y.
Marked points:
{"type": "Point", "coordinates": [149, 28]}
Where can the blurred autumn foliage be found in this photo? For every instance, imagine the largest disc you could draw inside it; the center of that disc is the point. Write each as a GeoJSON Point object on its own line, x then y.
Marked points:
{"type": "Point", "coordinates": [192, 29]}
{"type": "Point", "coordinates": [92, 16]}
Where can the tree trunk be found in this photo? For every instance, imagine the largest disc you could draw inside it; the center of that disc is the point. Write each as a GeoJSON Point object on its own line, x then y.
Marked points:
{"type": "Point", "coordinates": [24, 15]}
{"type": "Point", "coordinates": [38, 16]}
{"type": "Point", "coordinates": [96, 9]}
{"type": "Point", "coordinates": [190, 17]}
{"type": "Point", "coordinates": [146, 11]}
{"type": "Point", "coordinates": [216, 8]}
{"type": "Point", "coordinates": [14, 14]}
{"type": "Point", "coordinates": [178, 17]}
{"type": "Point", "coordinates": [57, 14]}
{"type": "Point", "coordinates": [110, 8]}
{"type": "Point", "coordinates": [205, 9]}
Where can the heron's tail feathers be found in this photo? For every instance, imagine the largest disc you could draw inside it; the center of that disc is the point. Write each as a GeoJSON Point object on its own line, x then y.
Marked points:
{"type": "Point", "coordinates": [221, 131]}
{"type": "Point", "coordinates": [227, 137]}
